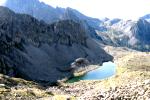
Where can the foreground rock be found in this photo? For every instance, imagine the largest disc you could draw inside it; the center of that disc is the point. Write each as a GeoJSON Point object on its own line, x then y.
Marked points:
{"type": "Point", "coordinates": [38, 51]}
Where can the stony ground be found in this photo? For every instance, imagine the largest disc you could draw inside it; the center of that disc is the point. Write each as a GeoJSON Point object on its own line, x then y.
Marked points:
{"type": "Point", "coordinates": [132, 82]}
{"type": "Point", "coordinates": [19, 89]}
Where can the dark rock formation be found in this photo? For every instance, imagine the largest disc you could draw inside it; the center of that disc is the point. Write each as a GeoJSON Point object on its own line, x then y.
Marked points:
{"type": "Point", "coordinates": [42, 11]}
{"type": "Point", "coordinates": [35, 50]}
{"type": "Point", "coordinates": [80, 62]}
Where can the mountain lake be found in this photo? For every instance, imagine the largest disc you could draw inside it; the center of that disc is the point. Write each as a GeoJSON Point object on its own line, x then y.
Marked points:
{"type": "Point", "coordinates": [105, 71]}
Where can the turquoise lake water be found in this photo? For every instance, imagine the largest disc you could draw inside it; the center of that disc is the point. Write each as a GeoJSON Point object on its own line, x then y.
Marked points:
{"type": "Point", "coordinates": [107, 70]}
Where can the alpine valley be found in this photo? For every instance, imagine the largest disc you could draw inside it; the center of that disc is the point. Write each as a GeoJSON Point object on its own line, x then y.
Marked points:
{"type": "Point", "coordinates": [41, 47]}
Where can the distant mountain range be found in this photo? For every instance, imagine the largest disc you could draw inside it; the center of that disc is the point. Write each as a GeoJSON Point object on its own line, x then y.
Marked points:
{"type": "Point", "coordinates": [133, 34]}
{"type": "Point", "coordinates": [116, 32]}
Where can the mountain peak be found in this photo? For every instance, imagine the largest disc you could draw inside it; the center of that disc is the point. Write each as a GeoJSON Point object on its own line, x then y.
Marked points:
{"type": "Point", "coordinates": [146, 17]}
{"type": "Point", "coordinates": [5, 13]}
{"type": "Point", "coordinates": [5, 9]}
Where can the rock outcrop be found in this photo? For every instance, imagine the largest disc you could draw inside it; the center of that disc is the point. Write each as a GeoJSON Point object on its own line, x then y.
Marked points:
{"type": "Point", "coordinates": [141, 31]}
{"type": "Point", "coordinates": [35, 50]}
{"type": "Point", "coordinates": [131, 34]}
{"type": "Point", "coordinates": [80, 62]}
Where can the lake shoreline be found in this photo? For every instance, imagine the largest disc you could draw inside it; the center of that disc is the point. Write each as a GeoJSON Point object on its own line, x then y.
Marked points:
{"type": "Point", "coordinates": [117, 86]}
{"type": "Point", "coordinates": [79, 73]}
{"type": "Point", "coordinates": [131, 82]}
{"type": "Point", "coordinates": [107, 70]}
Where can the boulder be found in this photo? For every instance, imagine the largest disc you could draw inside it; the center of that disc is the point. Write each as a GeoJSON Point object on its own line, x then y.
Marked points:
{"type": "Point", "coordinates": [80, 62]}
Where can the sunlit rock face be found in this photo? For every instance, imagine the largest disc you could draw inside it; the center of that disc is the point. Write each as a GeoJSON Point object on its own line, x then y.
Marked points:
{"type": "Point", "coordinates": [132, 34]}
{"type": "Point", "coordinates": [146, 17]}
{"type": "Point", "coordinates": [38, 51]}
{"type": "Point", "coordinates": [141, 30]}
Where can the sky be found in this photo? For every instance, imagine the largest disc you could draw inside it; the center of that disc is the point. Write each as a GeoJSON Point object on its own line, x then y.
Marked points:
{"type": "Point", "coordinates": [125, 9]}
{"type": "Point", "coordinates": [2, 2]}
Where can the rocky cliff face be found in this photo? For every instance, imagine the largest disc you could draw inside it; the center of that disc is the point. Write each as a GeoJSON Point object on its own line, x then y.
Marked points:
{"type": "Point", "coordinates": [47, 13]}
{"type": "Point", "coordinates": [35, 8]}
{"type": "Point", "coordinates": [132, 34]}
{"type": "Point", "coordinates": [141, 31]}
{"type": "Point", "coordinates": [44, 12]}
{"type": "Point", "coordinates": [35, 50]}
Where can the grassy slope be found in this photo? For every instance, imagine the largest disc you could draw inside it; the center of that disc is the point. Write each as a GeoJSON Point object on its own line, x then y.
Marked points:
{"type": "Point", "coordinates": [133, 69]}
{"type": "Point", "coordinates": [16, 88]}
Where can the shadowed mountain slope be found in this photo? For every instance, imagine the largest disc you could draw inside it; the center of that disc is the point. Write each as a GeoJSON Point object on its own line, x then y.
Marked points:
{"type": "Point", "coordinates": [35, 50]}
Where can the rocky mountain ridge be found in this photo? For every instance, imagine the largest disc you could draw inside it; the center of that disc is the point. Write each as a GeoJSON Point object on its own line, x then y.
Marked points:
{"type": "Point", "coordinates": [131, 33]}
{"type": "Point", "coordinates": [49, 14]}
{"type": "Point", "coordinates": [38, 51]}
